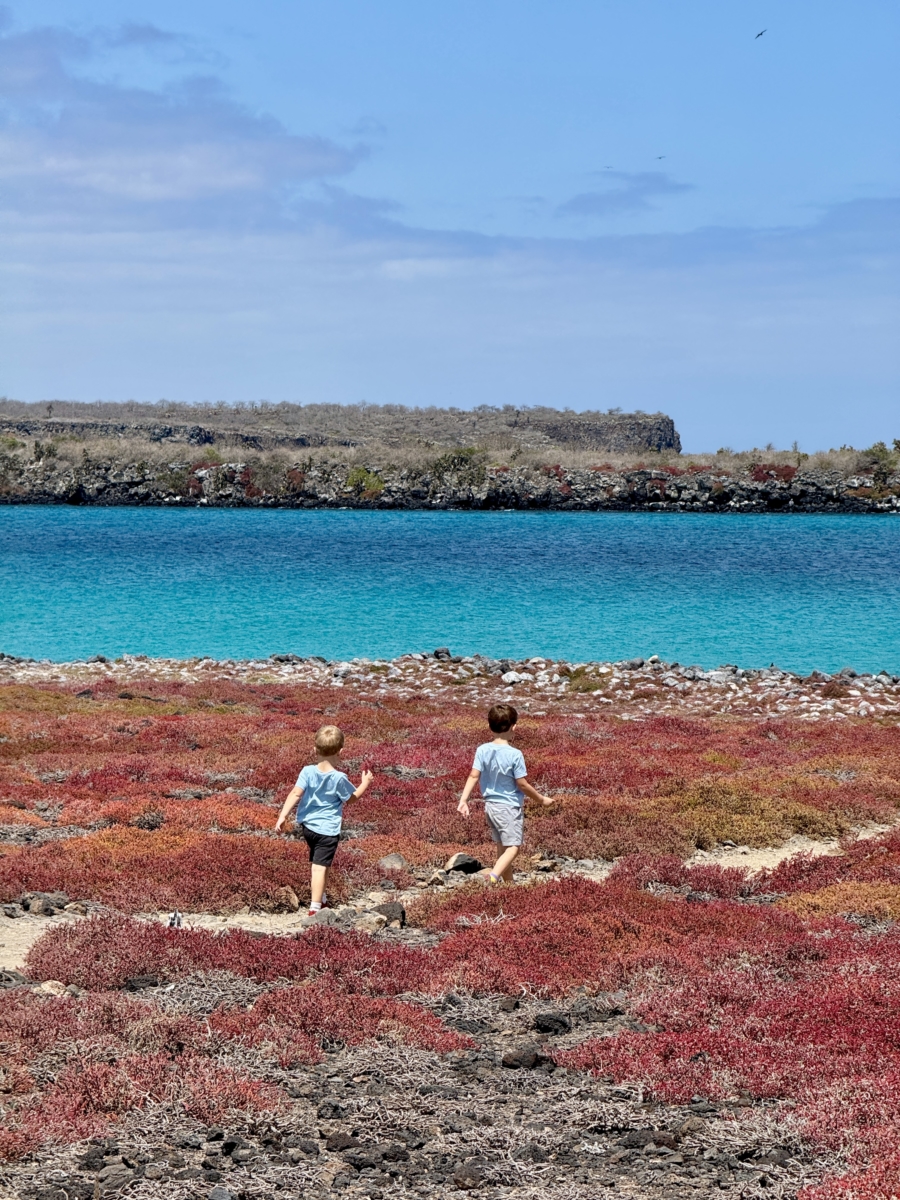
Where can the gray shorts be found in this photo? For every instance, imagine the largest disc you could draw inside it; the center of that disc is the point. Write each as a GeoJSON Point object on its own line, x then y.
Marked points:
{"type": "Point", "coordinates": [506, 823]}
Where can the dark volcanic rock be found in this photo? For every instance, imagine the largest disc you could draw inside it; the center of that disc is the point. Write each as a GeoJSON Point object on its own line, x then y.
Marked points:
{"type": "Point", "coordinates": [464, 863]}
{"type": "Point", "coordinates": [552, 1022]}
{"type": "Point", "coordinates": [393, 911]}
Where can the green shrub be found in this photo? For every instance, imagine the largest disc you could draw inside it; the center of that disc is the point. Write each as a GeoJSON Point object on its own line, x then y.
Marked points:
{"type": "Point", "coordinates": [365, 483]}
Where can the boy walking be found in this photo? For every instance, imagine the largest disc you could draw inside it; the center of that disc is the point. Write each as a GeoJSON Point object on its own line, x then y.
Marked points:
{"type": "Point", "coordinates": [499, 770]}
{"type": "Point", "coordinates": [321, 792]}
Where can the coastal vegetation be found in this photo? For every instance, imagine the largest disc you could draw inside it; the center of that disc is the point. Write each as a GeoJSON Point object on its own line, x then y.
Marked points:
{"type": "Point", "coordinates": [771, 991]}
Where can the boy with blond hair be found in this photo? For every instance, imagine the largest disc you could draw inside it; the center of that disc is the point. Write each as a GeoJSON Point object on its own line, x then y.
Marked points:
{"type": "Point", "coordinates": [324, 790]}
{"type": "Point", "coordinates": [499, 770]}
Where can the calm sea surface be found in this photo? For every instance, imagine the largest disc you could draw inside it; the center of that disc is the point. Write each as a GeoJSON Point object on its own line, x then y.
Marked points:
{"type": "Point", "coordinates": [801, 591]}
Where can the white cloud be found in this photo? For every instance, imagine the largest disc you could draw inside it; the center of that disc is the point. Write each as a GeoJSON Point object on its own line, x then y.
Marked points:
{"type": "Point", "coordinates": [71, 144]}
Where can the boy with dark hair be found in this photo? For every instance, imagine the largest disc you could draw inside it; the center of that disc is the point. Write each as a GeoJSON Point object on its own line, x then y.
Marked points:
{"type": "Point", "coordinates": [324, 790]}
{"type": "Point", "coordinates": [499, 770]}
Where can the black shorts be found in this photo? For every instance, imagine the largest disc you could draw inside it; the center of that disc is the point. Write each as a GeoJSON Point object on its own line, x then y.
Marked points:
{"type": "Point", "coordinates": [322, 846]}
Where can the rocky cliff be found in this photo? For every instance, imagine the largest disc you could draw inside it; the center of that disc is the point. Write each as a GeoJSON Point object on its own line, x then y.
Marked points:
{"type": "Point", "coordinates": [458, 480]}
{"type": "Point", "coordinates": [292, 426]}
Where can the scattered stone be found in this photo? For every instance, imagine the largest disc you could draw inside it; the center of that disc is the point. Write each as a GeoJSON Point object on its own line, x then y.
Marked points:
{"type": "Point", "coordinates": [220, 1193]}
{"type": "Point", "coordinates": [508, 1004]}
{"type": "Point", "coordinates": [341, 1141]}
{"type": "Point", "coordinates": [76, 908]}
{"type": "Point", "coordinates": [392, 862]}
{"type": "Point", "coordinates": [526, 1058]}
{"type": "Point", "coordinates": [286, 900]}
{"type": "Point", "coordinates": [442, 654]}
{"type": "Point", "coordinates": [303, 1145]}
{"type": "Point", "coordinates": [51, 987]}
{"type": "Point", "coordinates": [437, 879]}
{"type": "Point", "coordinates": [13, 911]}
{"type": "Point", "coordinates": [469, 1175]}
{"type": "Point", "coordinates": [552, 1022]}
{"type": "Point", "coordinates": [371, 922]}
{"type": "Point", "coordinates": [328, 1110]}
{"type": "Point", "coordinates": [393, 912]}
{"type": "Point", "coordinates": [215, 1133]}
{"type": "Point", "coordinates": [464, 863]}
{"type": "Point", "coordinates": [544, 864]}
{"type": "Point", "coordinates": [115, 1177]}
{"type": "Point", "coordinates": [325, 916]}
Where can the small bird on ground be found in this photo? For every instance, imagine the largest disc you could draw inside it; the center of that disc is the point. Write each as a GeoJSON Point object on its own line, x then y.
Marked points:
{"type": "Point", "coordinates": [759, 35]}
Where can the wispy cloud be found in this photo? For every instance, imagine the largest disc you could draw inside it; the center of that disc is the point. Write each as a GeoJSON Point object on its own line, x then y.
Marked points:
{"type": "Point", "coordinates": [73, 144]}
{"type": "Point", "coordinates": [634, 193]}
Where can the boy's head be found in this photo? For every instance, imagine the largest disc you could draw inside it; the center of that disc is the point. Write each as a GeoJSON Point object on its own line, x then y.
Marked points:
{"type": "Point", "coordinates": [502, 717]}
{"type": "Point", "coordinates": [329, 740]}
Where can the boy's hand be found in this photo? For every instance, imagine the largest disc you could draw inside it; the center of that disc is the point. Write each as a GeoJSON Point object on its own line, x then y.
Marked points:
{"type": "Point", "coordinates": [463, 807]}
{"type": "Point", "coordinates": [278, 824]}
{"type": "Point", "coordinates": [547, 801]}
{"type": "Point", "coordinates": [367, 778]}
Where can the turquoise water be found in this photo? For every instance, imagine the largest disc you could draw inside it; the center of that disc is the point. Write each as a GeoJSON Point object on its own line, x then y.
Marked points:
{"type": "Point", "coordinates": [801, 591]}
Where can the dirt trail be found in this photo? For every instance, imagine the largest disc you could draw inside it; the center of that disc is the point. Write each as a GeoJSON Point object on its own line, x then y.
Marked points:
{"type": "Point", "coordinates": [18, 935]}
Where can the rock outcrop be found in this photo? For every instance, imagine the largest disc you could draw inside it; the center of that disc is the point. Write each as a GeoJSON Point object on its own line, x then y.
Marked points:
{"type": "Point", "coordinates": [460, 480]}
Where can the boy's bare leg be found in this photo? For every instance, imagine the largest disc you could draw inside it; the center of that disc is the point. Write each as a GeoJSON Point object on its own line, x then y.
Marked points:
{"type": "Point", "coordinates": [504, 864]}
{"type": "Point", "coordinates": [318, 880]}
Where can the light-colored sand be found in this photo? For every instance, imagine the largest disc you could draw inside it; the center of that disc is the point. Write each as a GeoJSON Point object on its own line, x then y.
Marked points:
{"type": "Point", "coordinates": [18, 935]}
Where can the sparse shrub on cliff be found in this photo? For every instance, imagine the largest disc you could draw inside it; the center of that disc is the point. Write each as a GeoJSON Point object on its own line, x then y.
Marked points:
{"type": "Point", "coordinates": [367, 484]}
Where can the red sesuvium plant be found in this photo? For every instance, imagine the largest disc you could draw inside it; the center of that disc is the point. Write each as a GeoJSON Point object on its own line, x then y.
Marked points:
{"type": "Point", "coordinates": [215, 760]}
{"type": "Point", "coordinates": [179, 793]}
{"type": "Point", "coordinates": [112, 1055]}
{"type": "Point", "coordinates": [105, 951]}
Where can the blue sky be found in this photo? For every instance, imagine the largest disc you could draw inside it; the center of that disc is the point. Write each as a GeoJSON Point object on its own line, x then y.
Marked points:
{"type": "Point", "coordinates": [631, 204]}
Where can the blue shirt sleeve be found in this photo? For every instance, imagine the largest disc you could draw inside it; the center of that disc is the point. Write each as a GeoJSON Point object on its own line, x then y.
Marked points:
{"type": "Point", "coordinates": [345, 788]}
{"type": "Point", "coordinates": [478, 764]}
{"type": "Point", "coordinates": [519, 768]}
{"type": "Point", "coordinates": [303, 779]}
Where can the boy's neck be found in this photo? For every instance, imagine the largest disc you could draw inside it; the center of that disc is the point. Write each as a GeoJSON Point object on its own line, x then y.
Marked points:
{"type": "Point", "coordinates": [331, 763]}
{"type": "Point", "coordinates": [499, 740]}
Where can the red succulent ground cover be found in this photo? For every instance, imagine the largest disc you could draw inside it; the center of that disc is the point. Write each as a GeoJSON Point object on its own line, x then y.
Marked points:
{"type": "Point", "coordinates": [105, 951]}
{"type": "Point", "coordinates": [163, 775]}
{"type": "Point", "coordinates": [111, 1054]}
{"type": "Point", "coordinates": [758, 985]}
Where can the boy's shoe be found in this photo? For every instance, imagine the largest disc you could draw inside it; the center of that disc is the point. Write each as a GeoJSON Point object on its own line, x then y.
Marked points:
{"type": "Point", "coordinates": [491, 877]}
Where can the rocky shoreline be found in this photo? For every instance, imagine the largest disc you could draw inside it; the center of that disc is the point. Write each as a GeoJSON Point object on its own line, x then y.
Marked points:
{"type": "Point", "coordinates": [458, 480]}
{"type": "Point", "coordinates": [631, 690]}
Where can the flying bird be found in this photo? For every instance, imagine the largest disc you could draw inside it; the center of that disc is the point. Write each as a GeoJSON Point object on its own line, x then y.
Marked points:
{"type": "Point", "coordinates": [761, 32]}
{"type": "Point", "coordinates": [659, 157]}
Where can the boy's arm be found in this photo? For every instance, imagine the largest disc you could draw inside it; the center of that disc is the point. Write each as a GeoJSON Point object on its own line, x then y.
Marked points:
{"type": "Point", "coordinates": [463, 806]}
{"type": "Point", "coordinates": [367, 778]}
{"type": "Point", "coordinates": [289, 805]}
{"type": "Point", "coordinates": [533, 793]}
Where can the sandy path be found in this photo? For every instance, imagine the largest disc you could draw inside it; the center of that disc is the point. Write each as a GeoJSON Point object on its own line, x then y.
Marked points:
{"type": "Point", "coordinates": [18, 935]}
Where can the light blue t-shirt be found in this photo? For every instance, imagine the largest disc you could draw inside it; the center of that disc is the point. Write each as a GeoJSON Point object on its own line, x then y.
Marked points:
{"type": "Point", "coordinates": [324, 795]}
{"type": "Point", "coordinates": [500, 767]}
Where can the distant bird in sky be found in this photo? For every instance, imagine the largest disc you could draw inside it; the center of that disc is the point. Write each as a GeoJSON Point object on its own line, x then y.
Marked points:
{"type": "Point", "coordinates": [761, 32]}
{"type": "Point", "coordinates": [659, 157]}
